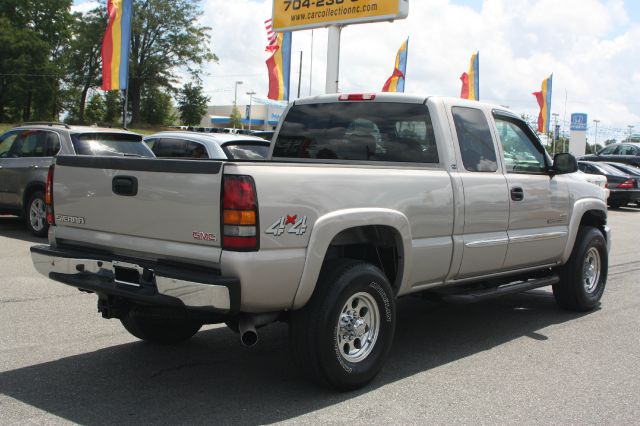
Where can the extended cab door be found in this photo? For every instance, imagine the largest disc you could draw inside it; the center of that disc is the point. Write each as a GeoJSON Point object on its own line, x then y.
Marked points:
{"type": "Point", "coordinates": [538, 204]}
{"type": "Point", "coordinates": [486, 203]}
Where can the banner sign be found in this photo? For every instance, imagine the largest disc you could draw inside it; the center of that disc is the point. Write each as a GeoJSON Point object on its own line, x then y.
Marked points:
{"type": "Point", "coordinates": [579, 122]}
{"type": "Point", "coordinates": [289, 15]}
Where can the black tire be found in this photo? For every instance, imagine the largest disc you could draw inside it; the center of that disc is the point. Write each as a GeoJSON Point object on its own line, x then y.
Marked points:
{"type": "Point", "coordinates": [35, 214]}
{"type": "Point", "coordinates": [318, 349]}
{"type": "Point", "coordinates": [159, 329]}
{"type": "Point", "coordinates": [578, 289]}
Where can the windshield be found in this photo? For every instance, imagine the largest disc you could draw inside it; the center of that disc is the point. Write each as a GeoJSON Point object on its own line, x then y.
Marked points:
{"type": "Point", "coordinates": [246, 151]}
{"type": "Point", "coordinates": [110, 144]}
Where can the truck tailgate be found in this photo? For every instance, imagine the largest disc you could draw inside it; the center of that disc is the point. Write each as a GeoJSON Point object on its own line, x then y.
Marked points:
{"type": "Point", "coordinates": [155, 208]}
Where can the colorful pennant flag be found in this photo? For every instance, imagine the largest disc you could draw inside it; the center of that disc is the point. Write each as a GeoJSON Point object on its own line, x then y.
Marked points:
{"type": "Point", "coordinates": [279, 63]}
{"type": "Point", "coordinates": [115, 45]}
{"type": "Point", "coordinates": [544, 101]}
{"type": "Point", "coordinates": [471, 80]}
{"type": "Point", "coordinates": [395, 83]}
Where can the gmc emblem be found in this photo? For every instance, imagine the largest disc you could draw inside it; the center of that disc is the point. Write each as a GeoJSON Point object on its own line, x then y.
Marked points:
{"type": "Point", "coordinates": [204, 236]}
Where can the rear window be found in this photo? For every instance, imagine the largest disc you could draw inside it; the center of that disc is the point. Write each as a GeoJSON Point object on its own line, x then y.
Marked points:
{"type": "Point", "coordinates": [358, 131]}
{"type": "Point", "coordinates": [115, 144]}
{"type": "Point", "coordinates": [246, 151]}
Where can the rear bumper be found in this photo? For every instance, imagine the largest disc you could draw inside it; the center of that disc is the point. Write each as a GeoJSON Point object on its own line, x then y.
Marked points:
{"type": "Point", "coordinates": [141, 281]}
{"type": "Point", "coordinates": [624, 195]}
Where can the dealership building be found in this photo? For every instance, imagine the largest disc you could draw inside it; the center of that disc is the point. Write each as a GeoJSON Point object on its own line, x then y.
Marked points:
{"type": "Point", "coordinates": [264, 115]}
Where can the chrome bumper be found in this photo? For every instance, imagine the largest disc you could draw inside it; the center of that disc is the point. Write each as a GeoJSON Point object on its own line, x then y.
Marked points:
{"type": "Point", "coordinates": [102, 276]}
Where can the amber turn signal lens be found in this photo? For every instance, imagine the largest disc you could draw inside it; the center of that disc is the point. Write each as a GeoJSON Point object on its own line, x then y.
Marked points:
{"type": "Point", "coordinates": [239, 217]}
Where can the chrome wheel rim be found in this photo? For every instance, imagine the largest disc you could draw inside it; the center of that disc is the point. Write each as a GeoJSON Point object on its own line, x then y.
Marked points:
{"type": "Point", "coordinates": [37, 215]}
{"type": "Point", "coordinates": [358, 327]}
{"type": "Point", "coordinates": [591, 270]}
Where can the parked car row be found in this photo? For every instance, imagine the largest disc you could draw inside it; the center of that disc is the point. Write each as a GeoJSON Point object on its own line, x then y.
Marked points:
{"type": "Point", "coordinates": [27, 151]}
{"type": "Point", "coordinates": [623, 181]}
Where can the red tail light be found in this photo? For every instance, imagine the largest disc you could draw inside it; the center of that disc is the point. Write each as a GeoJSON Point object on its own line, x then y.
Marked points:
{"type": "Point", "coordinates": [357, 97]}
{"type": "Point", "coordinates": [48, 196]}
{"type": "Point", "coordinates": [627, 184]}
{"type": "Point", "coordinates": [239, 214]}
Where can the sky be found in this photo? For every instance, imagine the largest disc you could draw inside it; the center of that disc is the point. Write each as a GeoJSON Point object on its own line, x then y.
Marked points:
{"type": "Point", "coordinates": [590, 46]}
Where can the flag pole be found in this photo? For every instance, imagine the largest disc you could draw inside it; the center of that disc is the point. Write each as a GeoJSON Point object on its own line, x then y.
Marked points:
{"type": "Point", "coordinates": [126, 88]}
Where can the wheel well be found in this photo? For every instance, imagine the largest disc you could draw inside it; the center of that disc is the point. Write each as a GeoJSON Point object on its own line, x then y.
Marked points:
{"type": "Point", "coordinates": [28, 192]}
{"type": "Point", "coordinates": [595, 218]}
{"type": "Point", "coordinates": [376, 244]}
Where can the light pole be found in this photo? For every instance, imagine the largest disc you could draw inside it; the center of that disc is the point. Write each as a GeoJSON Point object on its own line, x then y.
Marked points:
{"type": "Point", "coordinates": [555, 129]}
{"type": "Point", "coordinates": [251, 93]}
{"type": "Point", "coordinates": [235, 96]}
{"type": "Point", "coordinates": [595, 141]}
{"type": "Point", "coordinates": [630, 127]}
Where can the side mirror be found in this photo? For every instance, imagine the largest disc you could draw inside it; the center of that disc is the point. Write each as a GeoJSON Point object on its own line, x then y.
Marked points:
{"type": "Point", "coordinates": [564, 163]}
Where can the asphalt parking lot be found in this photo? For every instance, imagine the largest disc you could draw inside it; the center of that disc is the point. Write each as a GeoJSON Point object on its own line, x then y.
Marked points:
{"type": "Point", "coordinates": [518, 359]}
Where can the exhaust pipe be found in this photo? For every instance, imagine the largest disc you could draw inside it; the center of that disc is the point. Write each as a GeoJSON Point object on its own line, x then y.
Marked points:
{"type": "Point", "coordinates": [248, 333]}
{"type": "Point", "coordinates": [247, 326]}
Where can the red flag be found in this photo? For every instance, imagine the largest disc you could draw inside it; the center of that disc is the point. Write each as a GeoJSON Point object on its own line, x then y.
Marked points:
{"type": "Point", "coordinates": [274, 77]}
{"type": "Point", "coordinates": [464, 92]}
{"type": "Point", "coordinates": [540, 100]}
{"type": "Point", "coordinates": [387, 84]}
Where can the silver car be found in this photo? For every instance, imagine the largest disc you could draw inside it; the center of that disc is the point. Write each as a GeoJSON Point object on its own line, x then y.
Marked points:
{"type": "Point", "coordinates": [27, 151]}
{"type": "Point", "coordinates": [217, 146]}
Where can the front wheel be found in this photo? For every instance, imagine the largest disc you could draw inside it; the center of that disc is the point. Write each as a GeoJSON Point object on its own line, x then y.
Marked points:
{"type": "Point", "coordinates": [36, 215]}
{"type": "Point", "coordinates": [159, 329]}
{"type": "Point", "coordinates": [343, 335]}
{"type": "Point", "coordinates": [584, 276]}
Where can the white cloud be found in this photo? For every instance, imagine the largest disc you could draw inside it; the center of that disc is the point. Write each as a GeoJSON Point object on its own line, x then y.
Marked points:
{"type": "Point", "coordinates": [589, 45]}
{"type": "Point", "coordinates": [84, 6]}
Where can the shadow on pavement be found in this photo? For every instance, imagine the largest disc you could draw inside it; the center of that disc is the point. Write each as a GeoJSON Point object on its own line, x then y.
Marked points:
{"type": "Point", "coordinates": [16, 228]}
{"type": "Point", "coordinates": [212, 379]}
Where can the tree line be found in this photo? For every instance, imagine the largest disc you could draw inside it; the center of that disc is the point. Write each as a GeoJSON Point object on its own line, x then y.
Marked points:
{"type": "Point", "coordinates": [51, 66]}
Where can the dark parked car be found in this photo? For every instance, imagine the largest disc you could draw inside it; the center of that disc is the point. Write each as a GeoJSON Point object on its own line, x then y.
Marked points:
{"type": "Point", "coordinates": [217, 146]}
{"type": "Point", "coordinates": [27, 151]}
{"type": "Point", "coordinates": [627, 153]}
{"type": "Point", "coordinates": [623, 187]}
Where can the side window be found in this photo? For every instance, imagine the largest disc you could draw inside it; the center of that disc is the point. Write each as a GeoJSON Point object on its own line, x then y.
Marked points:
{"type": "Point", "coordinates": [52, 143]}
{"type": "Point", "coordinates": [196, 150]}
{"type": "Point", "coordinates": [610, 150]}
{"type": "Point", "coordinates": [29, 144]}
{"type": "Point", "coordinates": [6, 142]}
{"type": "Point", "coordinates": [151, 143]}
{"type": "Point", "coordinates": [522, 153]}
{"type": "Point", "coordinates": [474, 137]}
{"type": "Point", "coordinates": [628, 150]}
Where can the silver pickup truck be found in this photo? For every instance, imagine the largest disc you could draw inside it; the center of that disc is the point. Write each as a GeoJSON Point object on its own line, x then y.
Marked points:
{"type": "Point", "coordinates": [364, 199]}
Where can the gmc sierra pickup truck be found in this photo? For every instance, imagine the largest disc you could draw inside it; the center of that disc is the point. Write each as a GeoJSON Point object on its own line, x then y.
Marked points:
{"type": "Point", "coordinates": [364, 198]}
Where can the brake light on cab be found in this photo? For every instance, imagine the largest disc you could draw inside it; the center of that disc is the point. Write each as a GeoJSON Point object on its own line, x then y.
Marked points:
{"type": "Point", "coordinates": [239, 213]}
{"type": "Point", "coordinates": [357, 97]}
{"type": "Point", "coordinates": [48, 196]}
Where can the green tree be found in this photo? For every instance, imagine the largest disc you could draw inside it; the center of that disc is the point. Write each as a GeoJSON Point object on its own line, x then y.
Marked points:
{"type": "Point", "coordinates": [84, 62]}
{"type": "Point", "coordinates": [166, 36]}
{"type": "Point", "coordinates": [235, 119]}
{"type": "Point", "coordinates": [113, 107]}
{"type": "Point", "coordinates": [34, 36]}
{"type": "Point", "coordinates": [192, 103]}
{"type": "Point", "coordinates": [96, 109]}
{"type": "Point", "coordinates": [157, 107]}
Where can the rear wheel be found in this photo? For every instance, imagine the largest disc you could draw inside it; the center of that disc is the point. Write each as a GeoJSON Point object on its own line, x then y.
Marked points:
{"type": "Point", "coordinates": [36, 215]}
{"type": "Point", "coordinates": [159, 329]}
{"type": "Point", "coordinates": [584, 276]}
{"type": "Point", "coordinates": [341, 338]}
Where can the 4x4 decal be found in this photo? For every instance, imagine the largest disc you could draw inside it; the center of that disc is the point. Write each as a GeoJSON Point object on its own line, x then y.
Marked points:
{"type": "Point", "coordinates": [297, 225]}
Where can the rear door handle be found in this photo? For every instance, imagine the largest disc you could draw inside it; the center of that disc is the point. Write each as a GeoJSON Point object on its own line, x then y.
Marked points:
{"type": "Point", "coordinates": [126, 186]}
{"type": "Point", "coordinates": [517, 193]}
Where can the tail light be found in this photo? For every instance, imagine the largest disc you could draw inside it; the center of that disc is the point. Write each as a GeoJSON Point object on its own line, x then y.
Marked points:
{"type": "Point", "coordinates": [627, 184]}
{"type": "Point", "coordinates": [48, 196]}
{"type": "Point", "coordinates": [239, 214]}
